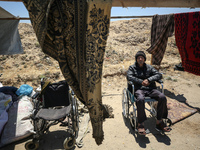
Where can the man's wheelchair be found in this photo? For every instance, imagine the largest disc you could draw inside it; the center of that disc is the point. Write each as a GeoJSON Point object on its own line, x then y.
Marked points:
{"type": "Point", "coordinates": [52, 104]}
{"type": "Point", "coordinates": [129, 107]}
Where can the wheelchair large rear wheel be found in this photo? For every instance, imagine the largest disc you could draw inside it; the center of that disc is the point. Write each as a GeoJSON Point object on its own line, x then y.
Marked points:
{"type": "Point", "coordinates": [125, 104]}
{"type": "Point", "coordinates": [69, 143]}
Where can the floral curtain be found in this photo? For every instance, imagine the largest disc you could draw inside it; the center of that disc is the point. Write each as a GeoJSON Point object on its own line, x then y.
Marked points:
{"type": "Point", "coordinates": [74, 32]}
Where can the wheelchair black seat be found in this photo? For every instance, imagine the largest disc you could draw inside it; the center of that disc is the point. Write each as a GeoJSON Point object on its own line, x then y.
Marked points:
{"type": "Point", "coordinates": [56, 94]}
{"type": "Point", "coordinates": [53, 114]}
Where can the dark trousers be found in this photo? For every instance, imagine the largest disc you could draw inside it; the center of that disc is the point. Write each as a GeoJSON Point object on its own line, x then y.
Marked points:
{"type": "Point", "coordinates": [162, 111]}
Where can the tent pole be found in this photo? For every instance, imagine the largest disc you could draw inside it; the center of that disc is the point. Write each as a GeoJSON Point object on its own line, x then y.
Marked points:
{"type": "Point", "coordinates": [149, 3]}
{"type": "Point", "coordinates": [14, 18]}
{"type": "Point", "coordinates": [114, 17]}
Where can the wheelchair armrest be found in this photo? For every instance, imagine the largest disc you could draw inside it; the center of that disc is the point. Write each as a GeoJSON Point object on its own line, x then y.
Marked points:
{"type": "Point", "coordinates": [36, 95]}
{"type": "Point", "coordinates": [132, 85]}
{"type": "Point", "coordinates": [159, 81]}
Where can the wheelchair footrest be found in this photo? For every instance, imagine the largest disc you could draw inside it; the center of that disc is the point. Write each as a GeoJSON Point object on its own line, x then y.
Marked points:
{"type": "Point", "coordinates": [53, 114]}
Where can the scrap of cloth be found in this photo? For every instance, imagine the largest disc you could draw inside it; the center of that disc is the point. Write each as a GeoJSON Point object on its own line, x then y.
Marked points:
{"type": "Point", "coordinates": [75, 34]}
{"type": "Point", "coordinates": [9, 38]}
{"type": "Point", "coordinates": [162, 28]}
{"type": "Point", "coordinates": [187, 35]}
{"type": "Point", "coordinates": [179, 111]}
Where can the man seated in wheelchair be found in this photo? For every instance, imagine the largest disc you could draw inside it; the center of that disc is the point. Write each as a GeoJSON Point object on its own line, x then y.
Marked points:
{"type": "Point", "coordinates": [143, 76]}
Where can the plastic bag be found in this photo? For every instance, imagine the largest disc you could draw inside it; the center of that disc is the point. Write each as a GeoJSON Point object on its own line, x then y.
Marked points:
{"type": "Point", "coordinates": [24, 89]}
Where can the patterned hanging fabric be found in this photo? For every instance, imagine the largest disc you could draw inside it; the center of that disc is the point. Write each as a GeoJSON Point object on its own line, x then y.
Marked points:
{"type": "Point", "coordinates": [74, 32]}
{"type": "Point", "coordinates": [187, 35]}
{"type": "Point", "coordinates": [162, 28]}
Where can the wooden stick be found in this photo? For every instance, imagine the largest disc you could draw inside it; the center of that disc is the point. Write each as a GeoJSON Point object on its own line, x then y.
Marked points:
{"type": "Point", "coordinates": [151, 59]}
{"type": "Point", "coordinates": [114, 17]}
{"type": "Point", "coordinates": [149, 3]}
{"type": "Point", "coordinates": [14, 18]}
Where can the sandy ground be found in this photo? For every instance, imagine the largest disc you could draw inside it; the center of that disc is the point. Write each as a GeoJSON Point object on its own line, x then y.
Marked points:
{"type": "Point", "coordinates": [118, 133]}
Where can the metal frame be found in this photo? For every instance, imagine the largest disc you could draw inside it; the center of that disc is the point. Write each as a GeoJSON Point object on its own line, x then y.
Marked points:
{"type": "Point", "coordinates": [150, 3]}
{"type": "Point", "coordinates": [41, 126]}
{"type": "Point", "coordinates": [129, 108]}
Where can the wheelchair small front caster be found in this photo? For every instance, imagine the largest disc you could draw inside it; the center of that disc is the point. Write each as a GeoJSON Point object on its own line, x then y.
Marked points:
{"type": "Point", "coordinates": [69, 143]}
{"type": "Point", "coordinates": [32, 145]}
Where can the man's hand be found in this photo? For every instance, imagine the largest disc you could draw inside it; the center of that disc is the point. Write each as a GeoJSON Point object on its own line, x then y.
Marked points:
{"type": "Point", "coordinates": [145, 82]}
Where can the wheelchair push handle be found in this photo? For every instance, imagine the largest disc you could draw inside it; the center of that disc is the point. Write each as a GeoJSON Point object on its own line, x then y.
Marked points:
{"type": "Point", "coordinates": [36, 95]}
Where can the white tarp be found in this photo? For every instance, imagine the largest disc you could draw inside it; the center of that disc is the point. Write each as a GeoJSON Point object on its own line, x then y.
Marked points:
{"type": "Point", "coordinates": [19, 124]}
{"type": "Point", "coordinates": [10, 42]}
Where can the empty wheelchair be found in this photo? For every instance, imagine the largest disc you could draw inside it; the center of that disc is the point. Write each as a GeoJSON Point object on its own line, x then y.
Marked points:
{"type": "Point", "coordinates": [52, 105]}
{"type": "Point", "coordinates": [129, 107]}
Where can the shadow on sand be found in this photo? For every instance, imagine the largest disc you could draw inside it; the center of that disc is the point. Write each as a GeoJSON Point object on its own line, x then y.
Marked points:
{"type": "Point", "coordinates": [144, 140]}
{"type": "Point", "coordinates": [51, 141]}
{"type": "Point", "coordinates": [179, 98]}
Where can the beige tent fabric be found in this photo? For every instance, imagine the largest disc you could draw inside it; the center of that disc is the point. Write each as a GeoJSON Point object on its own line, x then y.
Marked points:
{"type": "Point", "coordinates": [75, 33]}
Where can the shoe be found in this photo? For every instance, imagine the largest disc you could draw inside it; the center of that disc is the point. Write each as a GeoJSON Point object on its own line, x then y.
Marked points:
{"type": "Point", "coordinates": [141, 130]}
{"type": "Point", "coordinates": [163, 127]}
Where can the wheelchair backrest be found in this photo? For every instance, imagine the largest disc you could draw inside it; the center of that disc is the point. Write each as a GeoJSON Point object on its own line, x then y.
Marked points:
{"type": "Point", "coordinates": [56, 94]}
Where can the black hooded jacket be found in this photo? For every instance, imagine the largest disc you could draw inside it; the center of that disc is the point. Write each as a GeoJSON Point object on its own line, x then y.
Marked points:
{"type": "Point", "coordinates": [136, 75]}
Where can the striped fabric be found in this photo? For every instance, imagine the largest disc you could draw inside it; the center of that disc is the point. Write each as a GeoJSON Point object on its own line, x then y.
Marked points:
{"type": "Point", "coordinates": [162, 28]}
